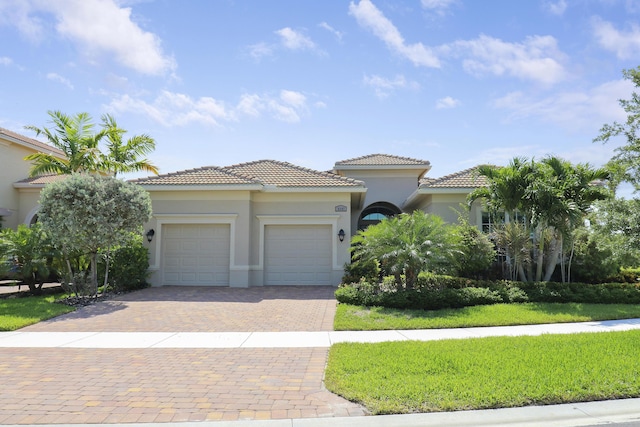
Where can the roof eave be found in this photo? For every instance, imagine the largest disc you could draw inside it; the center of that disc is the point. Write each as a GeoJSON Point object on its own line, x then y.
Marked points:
{"type": "Point", "coordinates": [319, 189]}
{"type": "Point", "coordinates": [446, 190]}
{"type": "Point", "coordinates": [425, 168]}
{"type": "Point", "coordinates": [191, 187]}
{"type": "Point", "coordinates": [23, 185]}
{"type": "Point", "coordinates": [47, 150]}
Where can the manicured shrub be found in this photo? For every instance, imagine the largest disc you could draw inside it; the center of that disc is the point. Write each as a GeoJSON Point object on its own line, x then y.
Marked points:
{"type": "Point", "coordinates": [357, 270]}
{"type": "Point", "coordinates": [129, 266]}
{"type": "Point", "coordinates": [438, 292]}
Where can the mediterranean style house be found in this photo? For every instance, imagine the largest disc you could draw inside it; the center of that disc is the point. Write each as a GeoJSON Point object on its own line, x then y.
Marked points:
{"type": "Point", "coordinates": [259, 223]}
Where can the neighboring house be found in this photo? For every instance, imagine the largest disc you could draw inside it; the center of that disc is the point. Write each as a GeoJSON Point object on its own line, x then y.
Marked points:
{"type": "Point", "coordinates": [19, 201]}
{"type": "Point", "coordinates": [269, 222]}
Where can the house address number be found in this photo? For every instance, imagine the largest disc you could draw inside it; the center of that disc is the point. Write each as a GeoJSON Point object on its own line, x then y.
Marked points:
{"type": "Point", "coordinates": [341, 208]}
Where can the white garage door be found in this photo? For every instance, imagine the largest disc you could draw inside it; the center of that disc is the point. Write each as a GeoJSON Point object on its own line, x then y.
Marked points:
{"type": "Point", "coordinates": [297, 255]}
{"type": "Point", "coordinates": [196, 254]}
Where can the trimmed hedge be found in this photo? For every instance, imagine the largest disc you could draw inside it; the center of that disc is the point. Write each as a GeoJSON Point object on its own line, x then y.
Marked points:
{"type": "Point", "coordinates": [434, 292]}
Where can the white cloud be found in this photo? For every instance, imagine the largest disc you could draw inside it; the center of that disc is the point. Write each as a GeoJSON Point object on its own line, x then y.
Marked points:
{"type": "Point", "coordinates": [58, 78]}
{"type": "Point", "coordinates": [332, 30]}
{"type": "Point", "coordinates": [556, 8]}
{"type": "Point", "coordinates": [260, 50]}
{"type": "Point", "coordinates": [295, 40]}
{"type": "Point", "coordinates": [4, 60]}
{"type": "Point", "coordinates": [571, 110]}
{"type": "Point", "coordinates": [537, 58]}
{"type": "Point", "coordinates": [440, 7]}
{"type": "Point", "coordinates": [502, 155]}
{"type": "Point", "coordinates": [177, 109]}
{"type": "Point", "coordinates": [370, 17]}
{"type": "Point", "coordinates": [625, 44]}
{"type": "Point", "coordinates": [446, 103]}
{"type": "Point", "coordinates": [384, 87]}
{"type": "Point", "coordinates": [97, 27]}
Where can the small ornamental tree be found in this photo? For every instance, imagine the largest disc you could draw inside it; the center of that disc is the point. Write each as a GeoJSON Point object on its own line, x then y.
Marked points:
{"type": "Point", "coordinates": [88, 213]}
{"type": "Point", "coordinates": [406, 245]}
{"type": "Point", "coordinates": [30, 252]}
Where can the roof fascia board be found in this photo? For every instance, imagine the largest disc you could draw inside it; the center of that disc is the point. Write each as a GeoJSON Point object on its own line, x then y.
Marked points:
{"type": "Point", "coordinates": [180, 187]}
{"type": "Point", "coordinates": [446, 190]}
{"type": "Point", "coordinates": [274, 189]}
{"type": "Point", "coordinates": [52, 150]}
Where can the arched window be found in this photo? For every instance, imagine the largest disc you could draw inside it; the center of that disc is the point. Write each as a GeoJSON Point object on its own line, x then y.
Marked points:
{"type": "Point", "coordinates": [375, 213]}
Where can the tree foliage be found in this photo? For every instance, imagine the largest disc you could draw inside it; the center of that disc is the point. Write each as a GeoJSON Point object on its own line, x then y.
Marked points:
{"type": "Point", "coordinates": [406, 245]}
{"type": "Point", "coordinates": [626, 161]}
{"type": "Point", "coordinates": [30, 252]}
{"type": "Point", "coordinates": [86, 213]}
{"type": "Point", "coordinates": [552, 196]}
{"type": "Point", "coordinates": [78, 139]}
{"type": "Point", "coordinates": [476, 252]}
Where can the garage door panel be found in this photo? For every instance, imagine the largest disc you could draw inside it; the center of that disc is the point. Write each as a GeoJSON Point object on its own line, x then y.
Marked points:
{"type": "Point", "coordinates": [196, 254]}
{"type": "Point", "coordinates": [298, 255]}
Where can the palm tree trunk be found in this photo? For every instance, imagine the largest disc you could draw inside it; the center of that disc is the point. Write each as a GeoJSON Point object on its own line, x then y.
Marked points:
{"type": "Point", "coordinates": [552, 260]}
{"type": "Point", "coordinates": [540, 255]}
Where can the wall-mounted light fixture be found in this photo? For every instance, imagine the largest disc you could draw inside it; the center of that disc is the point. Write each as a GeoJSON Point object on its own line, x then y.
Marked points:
{"type": "Point", "coordinates": [341, 235]}
{"type": "Point", "coordinates": [150, 235]}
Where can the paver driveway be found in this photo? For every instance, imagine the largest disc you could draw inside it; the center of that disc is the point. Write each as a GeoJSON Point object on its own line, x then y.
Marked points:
{"type": "Point", "coordinates": [67, 385]}
{"type": "Point", "coordinates": [200, 309]}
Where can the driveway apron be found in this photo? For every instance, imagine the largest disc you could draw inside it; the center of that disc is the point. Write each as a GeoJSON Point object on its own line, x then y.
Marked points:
{"type": "Point", "coordinates": [73, 385]}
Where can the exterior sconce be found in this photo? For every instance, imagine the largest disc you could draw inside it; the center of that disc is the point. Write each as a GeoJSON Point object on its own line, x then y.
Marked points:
{"type": "Point", "coordinates": [341, 235]}
{"type": "Point", "coordinates": [150, 235]}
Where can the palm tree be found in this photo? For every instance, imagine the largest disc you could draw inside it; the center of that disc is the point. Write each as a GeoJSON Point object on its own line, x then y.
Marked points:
{"type": "Point", "coordinates": [74, 136]}
{"type": "Point", "coordinates": [508, 191]}
{"type": "Point", "coordinates": [405, 244]}
{"type": "Point", "coordinates": [123, 156]}
{"type": "Point", "coordinates": [563, 196]}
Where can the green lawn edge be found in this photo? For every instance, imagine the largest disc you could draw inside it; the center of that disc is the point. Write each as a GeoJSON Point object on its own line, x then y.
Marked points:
{"type": "Point", "coordinates": [358, 318]}
{"type": "Point", "coordinates": [16, 313]}
{"type": "Point", "coordinates": [484, 373]}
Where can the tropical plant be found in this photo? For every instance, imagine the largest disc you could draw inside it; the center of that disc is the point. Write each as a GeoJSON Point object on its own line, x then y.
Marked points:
{"type": "Point", "coordinates": [553, 196]}
{"type": "Point", "coordinates": [406, 245]}
{"type": "Point", "coordinates": [476, 252]}
{"type": "Point", "coordinates": [121, 156]}
{"type": "Point", "coordinates": [75, 137]}
{"type": "Point", "coordinates": [31, 253]}
{"type": "Point", "coordinates": [87, 213]}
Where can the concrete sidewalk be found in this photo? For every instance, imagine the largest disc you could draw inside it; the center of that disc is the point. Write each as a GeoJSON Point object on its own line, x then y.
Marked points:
{"type": "Point", "coordinates": [299, 339]}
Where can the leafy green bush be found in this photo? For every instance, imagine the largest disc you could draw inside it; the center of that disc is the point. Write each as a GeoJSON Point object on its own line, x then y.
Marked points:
{"type": "Point", "coordinates": [438, 292]}
{"type": "Point", "coordinates": [129, 266]}
{"type": "Point", "coordinates": [360, 269]}
{"type": "Point", "coordinates": [476, 252]}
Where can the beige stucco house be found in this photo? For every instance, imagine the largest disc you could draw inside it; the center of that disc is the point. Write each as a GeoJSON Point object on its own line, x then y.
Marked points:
{"type": "Point", "coordinates": [265, 222]}
{"type": "Point", "coordinates": [19, 198]}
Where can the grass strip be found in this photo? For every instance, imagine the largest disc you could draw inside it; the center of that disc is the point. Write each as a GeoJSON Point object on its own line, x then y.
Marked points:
{"type": "Point", "coordinates": [496, 372]}
{"type": "Point", "coordinates": [358, 318]}
{"type": "Point", "coordinates": [16, 313]}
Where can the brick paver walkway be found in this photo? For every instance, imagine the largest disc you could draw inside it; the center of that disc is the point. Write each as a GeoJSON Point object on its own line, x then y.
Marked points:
{"type": "Point", "coordinates": [70, 385]}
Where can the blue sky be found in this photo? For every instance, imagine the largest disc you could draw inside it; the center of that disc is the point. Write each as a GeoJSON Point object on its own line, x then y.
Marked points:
{"type": "Point", "coordinates": [455, 82]}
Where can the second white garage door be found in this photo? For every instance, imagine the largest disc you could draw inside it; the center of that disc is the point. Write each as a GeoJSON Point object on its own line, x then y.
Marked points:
{"type": "Point", "coordinates": [196, 254]}
{"type": "Point", "coordinates": [297, 255]}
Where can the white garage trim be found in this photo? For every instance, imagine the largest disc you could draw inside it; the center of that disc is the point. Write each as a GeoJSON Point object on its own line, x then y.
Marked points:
{"type": "Point", "coordinates": [331, 220]}
{"type": "Point", "coordinates": [162, 219]}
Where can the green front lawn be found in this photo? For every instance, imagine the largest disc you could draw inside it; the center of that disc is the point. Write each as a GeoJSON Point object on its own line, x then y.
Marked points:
{"type": "Point", "coordinates": [410, 376]}
{"type": "Point", "coordinates": [16, 313]}
{"type": "Point", "coordinates": [357, 318]}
